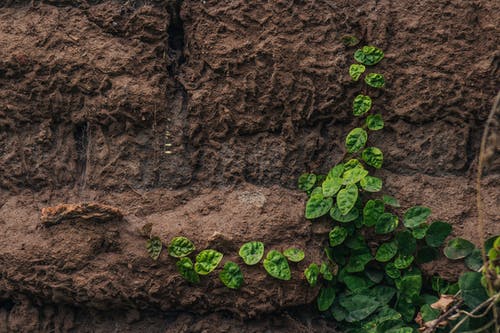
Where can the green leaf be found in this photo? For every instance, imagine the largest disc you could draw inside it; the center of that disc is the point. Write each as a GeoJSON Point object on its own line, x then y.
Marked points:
{"type": "Point", "coordinates": [354, 175]}
{"type": "Point", "coordinates": [331, 186]}
{"type": "Point", "coordinates": [207, 261]}
{"type": "Point", "coordinates": [406, 243]}
{"type": "Point", "coordinates": [391, 201]}
{"type": "Point", "coordinates": [311, 273]}
{"type": "Point", "coordinates": [369, 55]}
{"type": "Point", "coordinates": [382, 294]}
{"type": "Point", "coordinates": [294, 254]}
{"type": "Point", "coordinates": [349, 40]}
{"type": "Point", "coordinates": [437, 233]}
{"type": "Point", "coordinates": [429, 313]}
{"type": "Point", "coordinates": [392, 271]}
{"type": "Point", "coordinates": [375, 80]}
{"type": "Point", "coordinates": [338, 312]}
{"type": "Point", "coordinates": [475, 260]}
{"type": "Point", "coordinates": [386, 223]}
{"type": "Point", "coordinates": [355, 71]}
{"type": "Point", "coordinates": [154, 247]}
{"type": "Point", "coordinates": [186, 269]}
{"type": "Point", "coordinates": [356, 284]}
{"type": "Point", "coordinates": [337, 235]}
{"type": "Point", "coordinates": [374, 274]}
{"type": "Point", "coordinates": [405, 329]}
{"type": "Point", "coordinates": [473, 292]}
{"type": "Point", "coordinates": [358, 307]}
{"type": "Point", "coordinates": [180, 247]}
{"type": "Point", "coordinates": [488, 244]}
{"type": "Point", "coordinates": [252, 252]}
{"type": "Point", "coordinates": [231, 275]}
{"type": "Point", "coordinates": [317, 206]}
{"type": "Point", "coordinates": [371, 184]}
{"type": "Point", "coordinates": [346, 199]}
{"type": "Point", "coordinates": [373, 157]}
{"type": "Point", "coordinates": [358, 262]}
{"type": "Point", "coordinates": [277, 265]}
{"type": "Point", "coordinates": [352, 163]}
{"type": "Point", "coordinates": [416, 216]}
{"type": "Point", "coordinates": [409, 286]}
{"type": "Point", "coordinates": [458, 248]}
{"type": "Point", "coordinates": [420, 231]}
{"type": "Point", "coordinates": [325, 298]}
{"type": "Point", "coordinates": [356, 139]}
{"type": "Point", "coordinates": [374, 122]}
{"type": "Point", "coordinates": [402, 261]}
{"type": "Point", "coordinates": [386, 251]}
{"type": "Point", "coordinates": [439, 285]}
{"type": "Point", "coordinates": [372, 211]}
{"type": "Point", "coordinates": [361, 105]}
{"type": "Point", "coordinates": [426, 254]}
{"type": "Point", "coordinates": [337, 215]}
{"type": "Point", "coordinates": [326, 272]}
{"type": "Point", "coordinates": [336, 171]}
{"type": "Point", "coordinates": [306, 181]}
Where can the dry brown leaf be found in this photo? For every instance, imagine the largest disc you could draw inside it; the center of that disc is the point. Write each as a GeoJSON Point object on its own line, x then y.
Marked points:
{"type": "Point", "coordinates": [443, 303]}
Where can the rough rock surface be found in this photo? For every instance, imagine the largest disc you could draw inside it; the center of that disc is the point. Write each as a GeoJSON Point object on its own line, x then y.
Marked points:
{"type": "Point", "coordinates": [198, 116]}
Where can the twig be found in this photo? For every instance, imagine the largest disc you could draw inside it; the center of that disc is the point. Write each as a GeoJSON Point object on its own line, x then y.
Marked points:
{"type": "Point", "coordinates": [492, 299]}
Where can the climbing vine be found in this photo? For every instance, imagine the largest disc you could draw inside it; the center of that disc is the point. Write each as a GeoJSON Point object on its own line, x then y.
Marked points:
{"type": "Point", "coordinates": [370, 281]}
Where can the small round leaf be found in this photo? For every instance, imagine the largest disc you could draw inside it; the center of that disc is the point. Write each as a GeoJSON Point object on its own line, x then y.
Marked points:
{"type": "Point", "coordinates": [337, 236]}
{"type": "Point", "coordinates": [231, 275]}
{"type": "Point", "coordinates": [372, 211]}
{"type": "Point", "coordinates": [349, 40]}
{"type": "Point", "coordinates": [294, 254]}
{"type": "Point", "coordinates": [207, 261]}
{"type": "Point", "coordinates": [356, 70]}
{"type": "Point", "coordinates": [186, 269]}
{"type": "Point", "coordinates": [374, 122]}
{"type": "Point", "coordinates": [252, 252]}
{"type": "Point", "coordinates": [180, 247]}
{"type": "Point", "coordinates": [375, 80]}
{"type": "Point", "coordinates": [386, 251]}
{"type": "Point", "coordinates": [154, 247]}
{"type": "Point", "coordinates": [346, 198]}
{"type": "Point", "coordinates": [311, 273]}
{"type": "Point", "coordinates": [391, 201]}
{"type": "Point", "coordinates": [416, 216]}
{"type": "Point", "coordinates": [373, 157]}
{"type": "Point", "coordinates": [369, 55]}
{"type": "Point", "coordinates": [386, 223]}
{"type": "Point", "coordinates": [371, 184]}
{"type": "Point", "coordinates": [355, 140]}
{"type": "Point", "coordinates": [306, 181]}
{"type": "Point", "coordinates": [437, 233]}
{"type": "Point", "coordinates": [392, 271]}
{"type": "Point", "coordinates": [317, 206]}
{"type": "Point", "coordinates": [277, 265]}
{"type": "Point", "coordinates": [361, 105]}
{"type": "Point", "coordinates": [420, 231]}
{"type": "Point", "coordinates": [458, 248]}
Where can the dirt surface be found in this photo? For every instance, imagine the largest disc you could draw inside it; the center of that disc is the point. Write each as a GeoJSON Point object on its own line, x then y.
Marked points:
{"type": "Point", "coordinates": [198, 116]}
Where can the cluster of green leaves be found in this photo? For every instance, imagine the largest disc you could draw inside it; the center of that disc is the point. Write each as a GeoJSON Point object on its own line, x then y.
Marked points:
{"type": "Point", "coordinates": [275, 263]}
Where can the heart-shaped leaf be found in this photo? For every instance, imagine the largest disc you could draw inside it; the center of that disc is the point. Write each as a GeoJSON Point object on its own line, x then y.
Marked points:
{"type": "Point", "coordinates": [415, 216]}
{"type": "Point", "coordinates": [458, 248]}
{"type": "Point", "coordinates": [361, 105]}
{"type": "Point", "coordinates": [374, 122]}
{"type": "Point", "coordinates": [358, 307]}
{"type": "Point", "coordinates": [373, 157]}
{"type": "Point", "coordinates": [372, 211]}
{"type": "Point", "coordinates": [337, 235]}
{"type": "Point", "coordinates": [306, 181]}
{"type": "Point", "coordinates": [207, 261]}
{"type": "Point", "coordinates": [473, 292]}
{"type": "Point", "coordinates": [294, 254]}
{"type": "Point", "coordinates": [356, 70]}
{"type": "Point", "coordinates": [356, 139]}
{"type": "Point", "coordinates": [337, 215]}
{"type": "Point", "coordinates": [317, 206]}
{"type": "Point", "coordinates": [354, 175]}
{"type": "Point", "coordinates": [180, 247]}
{"type": "Point", "coordinates": [369, 55]}
{"type": "Point", "coordinates": [154, 247]}
{"type": "Point", "coordinates": [231, 275]}
{"type": "Point", "coordinates": [371, 184]}
{"type": "Point", "coordinates": [386, 251]}
{"type": "Point", "coordinates": [386, 223]}
{"type": "Point", "coordinates": [252, 252]}
{"type": "Point", "coordinates": [186, 269]}
{"type": "Point", "coordinates": [375, 80]}
{"type": "Point", "coordinates": [331, 186]}
{"type": "Point", "coordinates": [311, 273]}
{"type": "Point", "coordinates": [325, 298]}
{"type": "Point", "coordinates": [346, 198]}
{"type": "Point", "coordinates": [437, 233]}
{"type": "Point", "coordinates": [277, 265]}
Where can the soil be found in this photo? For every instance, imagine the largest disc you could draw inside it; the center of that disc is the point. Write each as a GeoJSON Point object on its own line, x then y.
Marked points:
{"type": "Point", "coordinates": [198, 117]}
